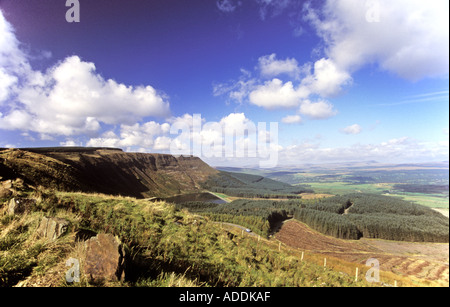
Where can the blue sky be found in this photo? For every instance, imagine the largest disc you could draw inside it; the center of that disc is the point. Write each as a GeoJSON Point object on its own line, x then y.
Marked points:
{"type": "Point", "coordinates": [348, 80]}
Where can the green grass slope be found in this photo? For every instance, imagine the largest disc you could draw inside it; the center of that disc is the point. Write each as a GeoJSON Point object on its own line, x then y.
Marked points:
{"type": "Point", "coordinates": [165, 246]}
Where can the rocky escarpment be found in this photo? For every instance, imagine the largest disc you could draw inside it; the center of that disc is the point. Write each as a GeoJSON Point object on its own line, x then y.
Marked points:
{"type": "Point", "coordinates": [103, 170]}
{"type": "Point", "coordinates": [39, 170]}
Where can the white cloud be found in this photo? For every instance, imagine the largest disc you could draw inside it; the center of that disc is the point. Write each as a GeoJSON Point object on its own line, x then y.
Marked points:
{"type": "Point", "coordinates": [292, 119]}
{"type": "Point", "coordinates": [269, 66]}
{"type": "Point", "coordinates": [162, 143]}
{"type": "Point", "coordinates": [327, 79]}
{"type": "Point", "coordinates": [353, 129]}
{"type": "Point", "coordinates": [317, 110]}
{"type": "Point", "coordinates": [7, 81]}
{"type": "Point", "coordinates": [274, 94]}
{"type": "Point", "coordinates": [152, 136]}
{"type": "Point", "coordinates": [16, 119]}
{"type": "Point", "coordinates": [186, 119]}
{"type": "Point", "coordinates": [237, 123]}
{"type": "Point", "coordinates": [12, 60]}
{"type": "Point", "coordinates": [411, 38]}
{"type": "Point", "coordinates": [211, 133]}
{"type": "Point", "coordinates": [68, 99]}
{"type": "Point", "coordinates": [137, 135]}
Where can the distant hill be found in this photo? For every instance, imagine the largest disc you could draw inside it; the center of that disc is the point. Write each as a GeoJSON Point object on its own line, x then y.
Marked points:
{"type": "Point", "coordinates": [105, 170]}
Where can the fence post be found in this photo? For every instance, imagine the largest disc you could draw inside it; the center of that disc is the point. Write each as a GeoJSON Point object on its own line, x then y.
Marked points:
{"type": "Point", "coordinates": [356, 275]}
{"type": "Point", "coordinates": [324, 262]}
{"type": "Point", "coordinates": [279, 246]}
{"type": "Point", "coordinates": [302, 257]}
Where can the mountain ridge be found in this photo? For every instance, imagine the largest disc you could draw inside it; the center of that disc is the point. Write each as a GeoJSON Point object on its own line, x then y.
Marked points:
{"type": "Point", "coordinates": [105, 170]}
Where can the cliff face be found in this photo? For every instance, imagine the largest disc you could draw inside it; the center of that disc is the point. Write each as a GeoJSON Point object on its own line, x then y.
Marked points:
{"type": "Point", "coordinates": [109, 171]}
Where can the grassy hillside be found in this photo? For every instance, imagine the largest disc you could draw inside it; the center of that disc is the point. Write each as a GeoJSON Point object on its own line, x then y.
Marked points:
{"type": "Point", "coordinates": [165, 246]}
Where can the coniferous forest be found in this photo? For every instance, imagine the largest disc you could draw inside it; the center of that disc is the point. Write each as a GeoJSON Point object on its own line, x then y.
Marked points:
{"type": "Point", "coordinates": [350, 216]}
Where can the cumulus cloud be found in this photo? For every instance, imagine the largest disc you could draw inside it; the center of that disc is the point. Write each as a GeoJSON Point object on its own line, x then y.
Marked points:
{"type": "Point", "coordinates": [327, 79]}
{"type": "Point", "coordinates": [317, 110]}
{"type": "Point", "coordinates": [7, 81]}
{"type": "Point", "coordinates": [68, 99]}
{"type": "Point", "coordinates": [352, 129]}
{"type": "Point", "coordinates": [71, 99]}
{"type": "Point", "coordinates": [237, 123]}
{"type": "Point", "coordinates": [234, 137]}
{"type": "Point", "coordinates": [406, 38]}
{"type": "Point", "coordinates": [409, 38]}
{"type": "Point", "coordinates": [323, 79]}
{"type": "Point", "coordinates": [136, 135]}
{"type": "Point", "coordinates": [12, 61]}
{"type": "Point", "coordinates": [275, 94]}
{"type": "Point", "coordinates": [292, 119]}
{"type": "Point", "coordinates": [272, 67]}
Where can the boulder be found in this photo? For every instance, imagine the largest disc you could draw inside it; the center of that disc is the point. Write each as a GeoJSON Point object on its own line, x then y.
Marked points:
{"type": "Point", "coordinates": [52, 228]}
{"type": "Point", "coordinates": [20, 205]}
{"type": "Point", "coordinates": [104, 259]}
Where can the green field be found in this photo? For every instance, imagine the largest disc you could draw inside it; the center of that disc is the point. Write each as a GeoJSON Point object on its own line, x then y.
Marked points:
{"type": "Point", "coordinates": [338, 188]}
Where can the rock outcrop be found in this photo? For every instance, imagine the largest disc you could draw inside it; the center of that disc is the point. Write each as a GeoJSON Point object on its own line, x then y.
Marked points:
{"type": "Point", "coordinates": [104, 259]}
{"type": "Point", "coordinates": [52, 228]}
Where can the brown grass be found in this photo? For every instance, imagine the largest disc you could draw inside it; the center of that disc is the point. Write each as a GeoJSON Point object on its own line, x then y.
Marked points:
{"type": "Point", "coordinates": [412, 264]}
